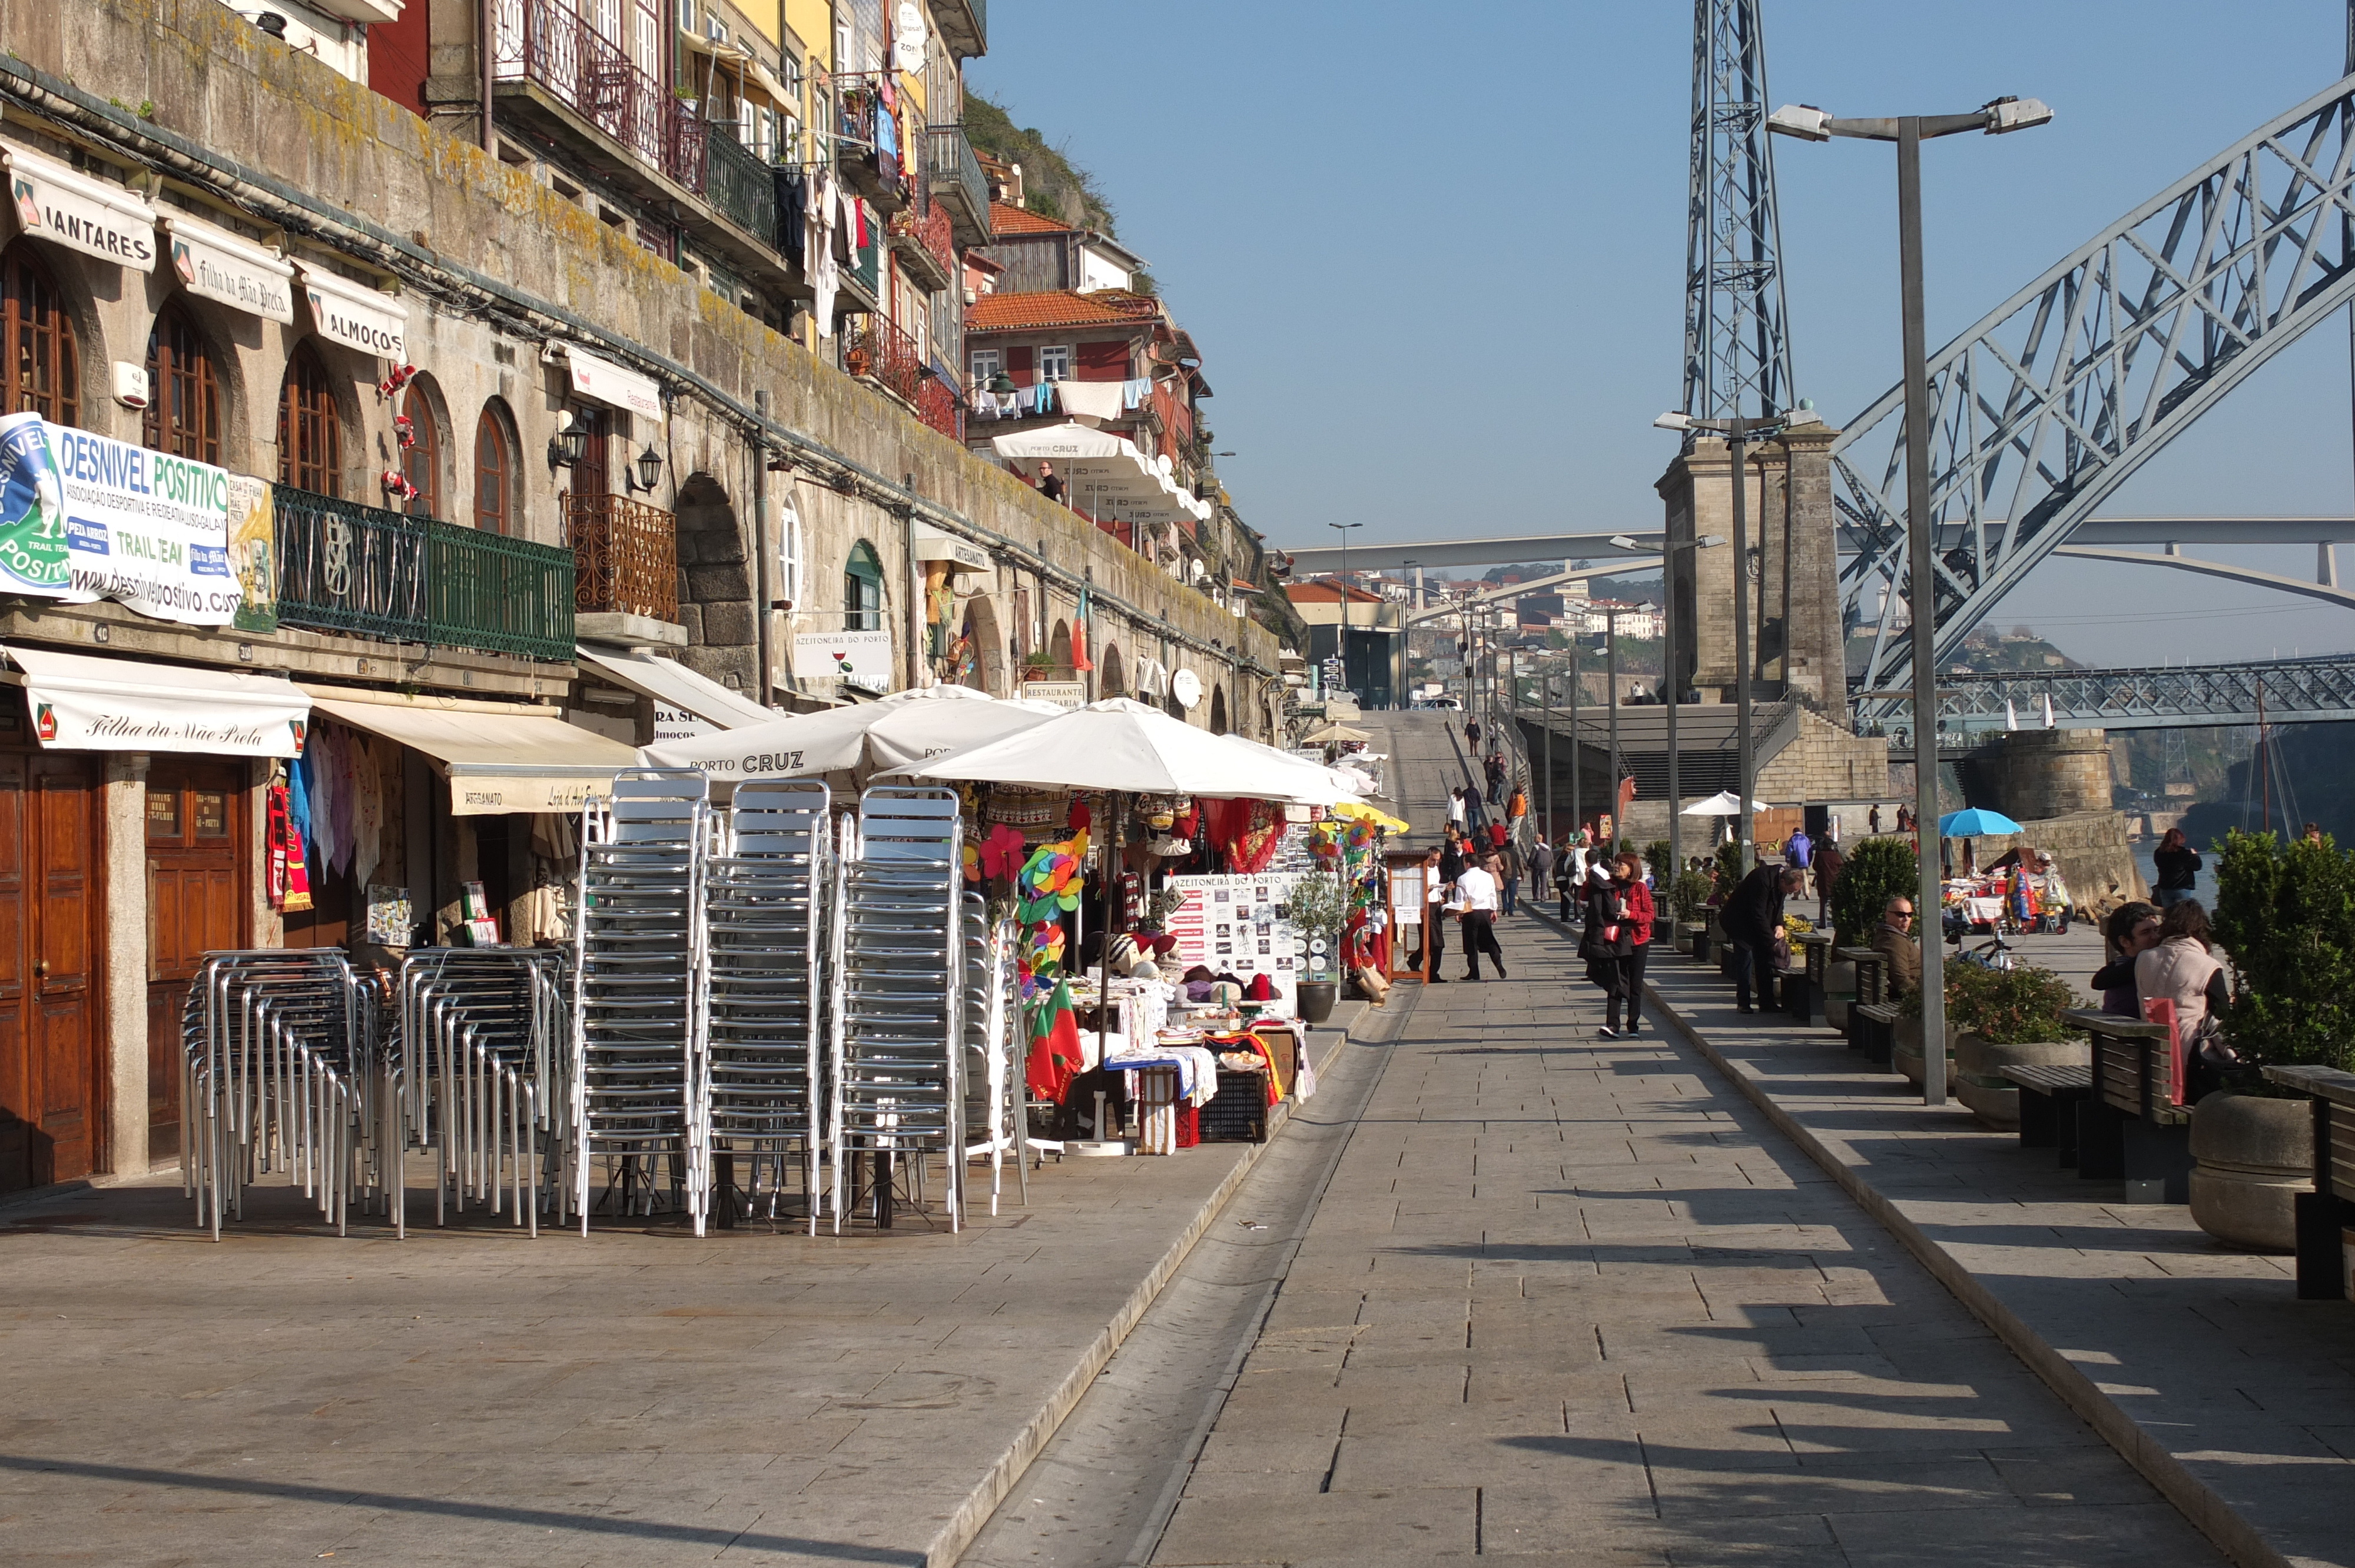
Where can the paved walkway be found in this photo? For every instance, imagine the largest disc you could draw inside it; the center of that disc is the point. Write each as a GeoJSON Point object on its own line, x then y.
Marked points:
{"type": "Point", "coordinates": [472, 1396]}
{"type": "Point", "coordinates": [1426, 762]}
{"type": "Point", "coordinates": [1571, 1299]}
{"type": "Point", "coordinates": [2239, 1397]}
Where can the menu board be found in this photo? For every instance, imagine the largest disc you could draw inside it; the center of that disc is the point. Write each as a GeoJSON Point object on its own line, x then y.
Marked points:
{"type": "Point", "coordinates": [1241, 926]}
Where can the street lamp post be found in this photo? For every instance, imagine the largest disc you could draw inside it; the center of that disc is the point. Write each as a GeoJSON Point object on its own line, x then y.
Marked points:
{"type": "Point", "coordinates": [1673, 677]}
{"type": "Point", "coordinates": [1577, 810]}
{"type": "Point", "coordinates": [1610, 696]}
{"type": "Point", "coordinates": [1345, 528]}
{"type": "Point", "coordinates": [1812, 124]}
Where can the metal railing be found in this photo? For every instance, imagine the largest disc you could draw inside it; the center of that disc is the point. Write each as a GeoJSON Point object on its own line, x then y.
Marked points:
{"type": "Point", "coordinates": [561, 51]}
{"type": "Point", "coordinates": [926, 225]}
{"type": "Point", "coordinates": [875, 348]}
{"type": "Point", "coordinates": [625, 557]}
{"type": "Point", "coordinates": [954, 175]}
{"type": "Point", "coordinates": [361, 569]}
{"type": "Point", "coordinates": [739, 184]}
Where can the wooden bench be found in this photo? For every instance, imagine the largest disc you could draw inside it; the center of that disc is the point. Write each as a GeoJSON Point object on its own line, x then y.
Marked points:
{"type": "Point", "coordinates": [2048, 1102]}
{"type": "Point", "coordinates": [2326, 1213]}
{"type": "Point", "coordinates": [2130, 1127]}
{"type": "Point", "coordinates": [1871, 968]}
{"type": "Point", "coordinates": [1803, 990]}
{"type": "Point", "coordinates": [1872, 1029]}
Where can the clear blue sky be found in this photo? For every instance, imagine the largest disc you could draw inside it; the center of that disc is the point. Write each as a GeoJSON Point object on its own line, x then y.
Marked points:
{"type": "Point", "coordinates": [1435, 274]}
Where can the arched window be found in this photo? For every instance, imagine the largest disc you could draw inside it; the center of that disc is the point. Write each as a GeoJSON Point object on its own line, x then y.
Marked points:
{"type": "Point", "coordinates": [182, 415]}
{"type": "Point", "coordinates": [37, 342]}
{"type": "Point", "coordinates": [421, 463]}
{"type": "Point", "coordinates": [309, 427]}
{"type": "Point", "coordinates": [862, 589]}
{"type": "Point", "coordinates": [493, 475]}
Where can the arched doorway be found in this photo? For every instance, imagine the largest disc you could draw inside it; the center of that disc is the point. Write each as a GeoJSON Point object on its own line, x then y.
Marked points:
{"type": "Point", "coordinates": [1217, 710]}
{"type": "Point", "coordinates": [1059, 651]}
{"type": "Point", "coordinates": [982, 654]}
{"type": "Point", "coordinates": [715, 588]}
{"type": "Point", "coordinates": [1112, 679]}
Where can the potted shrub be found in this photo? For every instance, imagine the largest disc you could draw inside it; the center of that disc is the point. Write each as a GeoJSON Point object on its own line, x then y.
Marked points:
{"type": "Point", "coordinates": [1319, 905]}
{"type": "Point", "coordinates": [2285, 914]}
{"type": "Point", "coordinates": [2007, 1018]}
{"type": "Point", "coordinates": [1876, 871]}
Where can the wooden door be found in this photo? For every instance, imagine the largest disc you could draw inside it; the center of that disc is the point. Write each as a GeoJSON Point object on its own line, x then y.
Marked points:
{"type": "Point", "coordinates": [197, 903]}
{"type": "Point", "coordinates": [52, 1074]}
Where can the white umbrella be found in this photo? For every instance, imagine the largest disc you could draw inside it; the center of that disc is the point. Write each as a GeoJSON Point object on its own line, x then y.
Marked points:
{"type": "Point", "coordinates": [1304, 782]}
{"type": "Point", "coordinates": [902, 729]}
{"type": "Point", "coordinates": [1724, 803]}
{"type": "Point", "coordinates": [1332, 732]}
{"type": "Point", "coordinates": [1119, 746]}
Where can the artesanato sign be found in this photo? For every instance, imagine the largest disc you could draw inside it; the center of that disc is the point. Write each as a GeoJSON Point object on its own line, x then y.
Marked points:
{"type": "Point", "coordinates": [84, 517]}
{"type": "Point", "coordinates": [62, 204]}
{"type": "Point", "coordinates": [361, 318]}
{"type": "Point", "coordinates": [217, 265]}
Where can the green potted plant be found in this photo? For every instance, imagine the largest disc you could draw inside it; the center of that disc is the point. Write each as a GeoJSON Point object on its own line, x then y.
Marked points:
{"type": "Point", "coordinates": [2007, 1018]}
{"type": "Point", "coordinates": [1319, 905]}
{"type": "Point", "coordinates": [2285, 914]}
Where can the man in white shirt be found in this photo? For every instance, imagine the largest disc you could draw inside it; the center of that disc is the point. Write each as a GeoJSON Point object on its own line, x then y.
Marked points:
{"type": "Point", "coordinates": [1475, 896]}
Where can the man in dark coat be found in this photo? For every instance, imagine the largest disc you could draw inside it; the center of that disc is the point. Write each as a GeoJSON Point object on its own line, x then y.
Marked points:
{"type": "Point", "coordinates": [1750, 917]}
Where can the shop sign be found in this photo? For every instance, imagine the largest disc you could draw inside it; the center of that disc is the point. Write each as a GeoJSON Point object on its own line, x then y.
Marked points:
{"type": "Point", "coordinates": [359, 317]}
{"type": "Point", "coordinates": [253, 552]}
{"type": "Point", "coordinates": [601, 380]}
{"type": "Point", "coordinates": [939, 545]}
{"type": "Point", "coordinates": [861, 658]}
{"type": "Point", "coordinates": [491, 793]}
{"type": "Point", "coordinates": [84, 517]}
{"type": "Point", "coordinates": [678, 724]}
{"type": "Point", "coordinates": [62, 204]}
{"type": "Point", "coordinates": [1240, 925]}
{"type": "Point", "coordinates": [217, 265]}
{"type": "Point", "coordinates": [1063, 693]}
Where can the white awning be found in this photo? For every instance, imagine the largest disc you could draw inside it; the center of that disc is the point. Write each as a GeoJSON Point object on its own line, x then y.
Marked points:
{"type": "Point", "coordinates": [356, 316]}
{"type": "Point", "coordinates": [673, 685]}
{"type": "Point", "coordinates": [62, 204]}
{"type": "Point", "coordinates": [934, 544]}
{"type": "Point", "coordinates": [1104, 475]}
{"type": "Point", "coordinates": [81, 702]}
{"type": "Point", "coordinates": [498, 760]}
{"type": "Point", "coordinates": [602, 381]}
{"type": "Point", "coordinates": [218, 265]}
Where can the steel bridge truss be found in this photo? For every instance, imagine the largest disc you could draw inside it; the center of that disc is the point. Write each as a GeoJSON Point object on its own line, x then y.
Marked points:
{"type": "Point", "coordinates": [2275, 691]}
{"type": "Point", "coordinates": [1737, 352]}
{"type": "Point", "coordinates": [2041, 410]}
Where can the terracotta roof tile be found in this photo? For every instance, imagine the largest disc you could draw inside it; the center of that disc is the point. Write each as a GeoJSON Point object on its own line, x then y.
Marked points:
{"type": "Point", "coordinates": [1002, 312]}
{"type": "Point", "coordinates": [1009, 219]}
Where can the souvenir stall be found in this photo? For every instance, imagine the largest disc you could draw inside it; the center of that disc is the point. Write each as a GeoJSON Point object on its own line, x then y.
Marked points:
{"type": "Point", "coordinates": [1151, 868]}
{"type": "Point", "coordinates": [2000, 898]}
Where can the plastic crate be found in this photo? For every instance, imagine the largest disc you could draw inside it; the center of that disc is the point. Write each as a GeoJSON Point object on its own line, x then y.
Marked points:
{"type": "Point", "coordinates": [1238, 1112]}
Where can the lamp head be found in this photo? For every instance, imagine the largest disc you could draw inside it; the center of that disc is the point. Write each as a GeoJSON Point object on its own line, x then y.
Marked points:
{"type": "Point", "coordinates": [1673, 421]}
{"type": "Point", "coordinates": [1803, 120]}
{"type": "Point", "coordinates": [1709, 541]}
{"type": "Point", "coordinates": [649, 466]}
{"type": "Point", "coordinates": [1625, 542]}
{"type": "Point", "coordinates": [2005, 115]}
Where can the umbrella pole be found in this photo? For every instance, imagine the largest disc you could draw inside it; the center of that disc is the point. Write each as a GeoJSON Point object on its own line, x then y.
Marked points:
{"type": "Point", "coordinates": [1103, 952]}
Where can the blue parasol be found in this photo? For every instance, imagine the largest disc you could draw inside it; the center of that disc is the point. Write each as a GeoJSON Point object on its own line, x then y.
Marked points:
{"type": "Point", "coordinates": [1974, 824]}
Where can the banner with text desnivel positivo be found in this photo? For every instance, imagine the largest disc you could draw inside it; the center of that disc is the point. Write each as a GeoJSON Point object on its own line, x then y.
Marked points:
{"type": "Point", "coordinates": [84, 517]}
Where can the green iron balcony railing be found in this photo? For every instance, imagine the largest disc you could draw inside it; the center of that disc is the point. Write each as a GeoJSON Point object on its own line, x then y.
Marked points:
{"type": "Point", "coordinates": [363, 570]}
{"type": "Point", "coordinates": [739, 184]}
{"type": "Point", "coordinates": [952, 174]}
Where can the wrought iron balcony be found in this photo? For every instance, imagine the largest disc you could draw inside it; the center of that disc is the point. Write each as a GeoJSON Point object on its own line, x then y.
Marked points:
{"type": "Point", "coordinates": [952, 174]}
{"type": "Point", "coordinates": [964, 25]}
{"type": "Point", "coordinates": [740, 186]}
{"type": "Point", "coordinates": [869, 154]}
{"type": "Point", "coordinates": [922, 235]}
{"type": "Point", "coordinates": [343, 566]}
{"type": "Point", "coordinates": [557, 51]}
{"type": "Point", "coordinates": [625, 557]}
{"type": "Point", "coordinates": [876, 350]}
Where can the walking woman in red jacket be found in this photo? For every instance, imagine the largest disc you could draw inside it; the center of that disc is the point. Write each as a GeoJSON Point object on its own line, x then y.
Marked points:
{"type": "Point", "coordinates": [1635, 901]}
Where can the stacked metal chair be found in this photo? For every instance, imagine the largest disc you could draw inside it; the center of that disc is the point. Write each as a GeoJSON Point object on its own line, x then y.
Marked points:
{"type": "Point", "coordinates": [280, 1072]}
{"type": "Point", "coordinates": [992, 1100]}
{"type": "Point", "coordinates": [898, 995]}
{"type": "Point", "coordinates": [766, 899]}
{"type": "Point", "coordinates": [637, 998]}
{"type": "Point", "coordinates": [482, 1076]}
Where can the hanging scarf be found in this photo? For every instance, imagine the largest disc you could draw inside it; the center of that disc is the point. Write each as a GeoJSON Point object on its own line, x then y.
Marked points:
{"type": "Point", "coordinates": [288, 881]}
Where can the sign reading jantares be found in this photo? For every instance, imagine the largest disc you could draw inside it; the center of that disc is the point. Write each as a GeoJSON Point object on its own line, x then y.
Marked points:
{"type": "Point", "coordinates": [84, 517]}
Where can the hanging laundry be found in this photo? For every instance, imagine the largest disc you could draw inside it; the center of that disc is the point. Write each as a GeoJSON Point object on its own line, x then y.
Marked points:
{"type": "Point", "coordinates": [886, 130]}
{"type": "Point", "coordinates": [1136, 393]}
{"type": "Point", "coordinates": [298, 799]}
{"type": "Point", "coordinates": [1090, 399]}
{"type": "Point", "coordinates": [819, 232]}
{"type": "Point", "coordinates": [319, 770]}
{"type": "Point", "coordinates": [368, 813]}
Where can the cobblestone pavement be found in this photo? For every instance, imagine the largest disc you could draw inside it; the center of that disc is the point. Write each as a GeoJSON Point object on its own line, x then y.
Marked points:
{"type": "Point", "coordinates": [1569, 1298]}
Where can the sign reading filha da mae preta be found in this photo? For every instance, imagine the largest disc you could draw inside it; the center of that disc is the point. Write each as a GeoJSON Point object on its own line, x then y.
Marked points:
{"type": "Point", "coordinates": [84, 517]}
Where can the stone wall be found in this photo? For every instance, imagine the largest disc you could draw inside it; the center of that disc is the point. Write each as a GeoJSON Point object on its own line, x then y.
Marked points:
{"type": "Point", "coordinates": [496, 271]}
{"type": "Point", "coordinates": [2041, 773]}
{"type": "Point", "coordinates": [1825, 762]}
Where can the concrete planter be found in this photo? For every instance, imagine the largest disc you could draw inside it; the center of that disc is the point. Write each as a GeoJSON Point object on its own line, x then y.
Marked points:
{"type": "Point", "coordinates": [2254, 1156]}
{"type": "Point", "coordinates": [1905, 1051]}
{"type": "Point", "coordinates": [1839, 992]}
{"type": "Point", "coordinates": [1980, 1082]}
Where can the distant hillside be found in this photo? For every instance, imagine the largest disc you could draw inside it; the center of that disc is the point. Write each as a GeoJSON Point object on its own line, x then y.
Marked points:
{"type": "Point", "coordinates": [1052, 185]}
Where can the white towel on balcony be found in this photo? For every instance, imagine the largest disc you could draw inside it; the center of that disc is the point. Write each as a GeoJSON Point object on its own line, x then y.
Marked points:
{"type": "Point", "coordinates": [1092, 399]}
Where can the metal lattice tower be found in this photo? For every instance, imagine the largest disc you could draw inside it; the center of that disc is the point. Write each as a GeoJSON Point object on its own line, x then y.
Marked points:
{"type": "Point", "coordinates": [1737, 350]}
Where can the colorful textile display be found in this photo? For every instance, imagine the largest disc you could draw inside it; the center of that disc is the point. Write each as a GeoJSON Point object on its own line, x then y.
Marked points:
{"type": "Point", "coordinates": [1056, 1057]}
